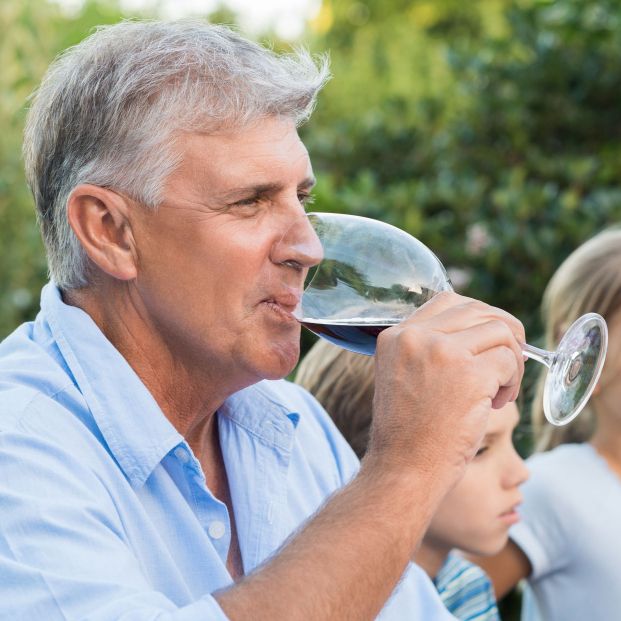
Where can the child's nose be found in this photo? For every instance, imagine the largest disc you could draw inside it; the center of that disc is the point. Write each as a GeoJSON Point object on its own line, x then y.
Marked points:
{"type": "Point", "coordinates": [516, 471]}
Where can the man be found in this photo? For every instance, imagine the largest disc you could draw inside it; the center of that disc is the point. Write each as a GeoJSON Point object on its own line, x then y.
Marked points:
{"type": "Point", "coordinates": [146, 470]}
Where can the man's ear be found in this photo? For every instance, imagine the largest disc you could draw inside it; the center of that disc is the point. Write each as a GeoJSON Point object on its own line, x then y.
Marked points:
{"type": "Point", "coordinates": [99, 218]}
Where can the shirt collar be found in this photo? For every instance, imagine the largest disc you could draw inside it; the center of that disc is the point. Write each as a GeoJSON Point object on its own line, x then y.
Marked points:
{"type": "Point", "coordinates": [134, 427]}
{"type": "Point", "coordinates": [260, 411]}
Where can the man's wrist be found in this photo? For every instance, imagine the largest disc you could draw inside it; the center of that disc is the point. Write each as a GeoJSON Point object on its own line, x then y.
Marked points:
{"type": "Point", "coordinates": [409, 495]}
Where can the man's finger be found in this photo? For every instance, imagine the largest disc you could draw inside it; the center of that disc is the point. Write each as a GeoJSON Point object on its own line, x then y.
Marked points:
{"type": "Point", "coordinates": [505, 372]}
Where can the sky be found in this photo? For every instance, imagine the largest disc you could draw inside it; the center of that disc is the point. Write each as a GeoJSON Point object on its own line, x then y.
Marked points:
{"type": "Point", "coordinates": [285, 17]}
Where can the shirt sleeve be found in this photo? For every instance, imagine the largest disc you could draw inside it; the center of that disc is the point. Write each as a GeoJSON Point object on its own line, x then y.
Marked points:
{"type": "Point", "coordinates": [541, 534]}
{"type": "Point", "coordinates": [63, 554]}
{"type": "Point", "coordinates": [415, 599]}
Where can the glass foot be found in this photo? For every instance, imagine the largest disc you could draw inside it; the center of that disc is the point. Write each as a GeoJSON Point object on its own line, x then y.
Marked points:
{"type": "Point", "coordinates": [575, 369]}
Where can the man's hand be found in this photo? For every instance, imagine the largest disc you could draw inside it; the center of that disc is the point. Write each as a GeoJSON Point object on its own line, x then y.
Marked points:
{"type": "Point", "coordinates": [437, 375]}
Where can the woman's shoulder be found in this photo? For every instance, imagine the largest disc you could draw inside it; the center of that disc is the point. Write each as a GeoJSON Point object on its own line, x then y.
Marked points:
{"type": "Point", "coordinates": [566, 455]}
{"type": "Point", "coordinates": [568, 465]}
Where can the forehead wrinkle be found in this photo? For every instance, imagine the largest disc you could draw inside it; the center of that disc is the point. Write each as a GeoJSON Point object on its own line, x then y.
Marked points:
{"type": "Point", "coordinates": [268, 188]}
{"type": "Point", "coordinates": [216, 167]}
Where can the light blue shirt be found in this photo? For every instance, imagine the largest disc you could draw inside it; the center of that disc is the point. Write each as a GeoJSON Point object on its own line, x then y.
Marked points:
{"type": "Point", "coordinates": [105, 513]}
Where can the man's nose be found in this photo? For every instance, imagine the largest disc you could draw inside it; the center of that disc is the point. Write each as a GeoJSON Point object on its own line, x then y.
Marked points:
{"type": "Point", "coordinates": [299, 244]}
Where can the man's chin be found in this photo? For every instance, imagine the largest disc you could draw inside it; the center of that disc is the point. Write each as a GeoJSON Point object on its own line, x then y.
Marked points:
{"type": "Point", "coordinates": [283, 361]}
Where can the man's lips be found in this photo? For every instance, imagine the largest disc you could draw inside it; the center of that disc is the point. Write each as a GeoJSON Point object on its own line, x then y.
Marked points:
{"type": "Point", "coordinates": [283, 304]}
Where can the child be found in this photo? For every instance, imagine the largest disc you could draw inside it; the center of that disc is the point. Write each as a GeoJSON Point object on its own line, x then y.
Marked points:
{"type": "Point", "coordinates": [568, 544]}
{"type": "Point", "coordinates": [474, 517]}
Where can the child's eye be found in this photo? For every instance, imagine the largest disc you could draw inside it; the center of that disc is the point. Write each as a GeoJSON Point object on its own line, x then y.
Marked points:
{"type": "Point", "coordinates": [481, 450]}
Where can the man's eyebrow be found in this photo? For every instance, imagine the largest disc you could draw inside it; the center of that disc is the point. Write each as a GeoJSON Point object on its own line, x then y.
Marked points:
{"type": "Point", "coordinates": [253, 190]}
{"type": "Point", "coordinates": [307, 184]}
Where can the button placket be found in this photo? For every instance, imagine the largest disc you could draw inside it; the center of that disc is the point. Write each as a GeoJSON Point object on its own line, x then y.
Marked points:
{"type": "Point", "coordinates": [212, 513]}
{"type": "Point", "coordinates": [182, 455]}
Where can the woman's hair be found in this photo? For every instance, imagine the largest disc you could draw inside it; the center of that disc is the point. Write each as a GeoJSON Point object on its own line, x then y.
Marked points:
{"type": "Point", "coordinates": [109, 110]}
{"type": "Point", "coordinates": [589, 280]}
{"type": "Point", "coordinates": [343, 382]}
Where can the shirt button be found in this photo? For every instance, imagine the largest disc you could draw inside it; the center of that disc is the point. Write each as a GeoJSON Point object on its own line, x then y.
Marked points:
{"type": "Point", "coordinates": [182, 455]}
{"type": "Point", "coordinates": [216, 529]}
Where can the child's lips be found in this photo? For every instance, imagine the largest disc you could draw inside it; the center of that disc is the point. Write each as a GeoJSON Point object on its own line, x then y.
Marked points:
{"type": "Point", "coordinates": [511, 516]}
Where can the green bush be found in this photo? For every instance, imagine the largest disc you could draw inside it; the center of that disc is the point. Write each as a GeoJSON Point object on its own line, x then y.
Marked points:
{"type": "Point", "coordinates": [509, 165]}
{"type": "Point", "coordinates": [33, 32]}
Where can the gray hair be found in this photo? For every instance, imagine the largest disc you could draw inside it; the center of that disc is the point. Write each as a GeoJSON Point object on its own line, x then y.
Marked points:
{"type": "Point", "coordinates": [108, 110]}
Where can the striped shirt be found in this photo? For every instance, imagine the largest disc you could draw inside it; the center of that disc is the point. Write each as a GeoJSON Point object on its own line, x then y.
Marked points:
{"type": "Point", "coordinates": [466, 590]}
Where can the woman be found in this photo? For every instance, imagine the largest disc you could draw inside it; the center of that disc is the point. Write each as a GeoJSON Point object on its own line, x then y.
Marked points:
{"type": "Point", "coordinates": [567, 543]}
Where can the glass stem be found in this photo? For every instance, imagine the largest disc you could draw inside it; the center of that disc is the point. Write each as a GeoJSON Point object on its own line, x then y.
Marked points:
{"type": "Point", "coordinates": [540, 355]}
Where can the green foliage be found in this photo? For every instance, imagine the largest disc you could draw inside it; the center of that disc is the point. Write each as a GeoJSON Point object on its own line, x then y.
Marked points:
{"type": "Point", "coordinates": [33, 32]}
{"type": "Point", "coordinates": [540, 133]}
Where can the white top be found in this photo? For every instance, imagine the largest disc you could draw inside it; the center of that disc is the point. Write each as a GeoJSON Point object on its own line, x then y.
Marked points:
{"type": "Point", "coordinates": [571, 533]}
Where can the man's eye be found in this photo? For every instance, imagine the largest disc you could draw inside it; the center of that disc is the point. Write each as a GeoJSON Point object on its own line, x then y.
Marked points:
{"type": "Point", "coordinates": [251, 200]}
{"type": "Point", "coordinates": [306, 198]}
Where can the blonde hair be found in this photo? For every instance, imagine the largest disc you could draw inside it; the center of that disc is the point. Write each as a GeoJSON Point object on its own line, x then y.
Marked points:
{"type": "Point", "coordinates": [589, 280]}
{"type": "Point", "coordinates": [343, 382]}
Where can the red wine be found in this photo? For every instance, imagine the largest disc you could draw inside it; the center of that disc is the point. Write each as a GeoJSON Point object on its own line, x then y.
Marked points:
{"type": "Point", "coordinates": [357, 335]}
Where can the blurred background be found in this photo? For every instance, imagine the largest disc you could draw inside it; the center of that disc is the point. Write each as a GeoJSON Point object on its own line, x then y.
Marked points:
{"type": "Point", "coordinates": [490, 129]}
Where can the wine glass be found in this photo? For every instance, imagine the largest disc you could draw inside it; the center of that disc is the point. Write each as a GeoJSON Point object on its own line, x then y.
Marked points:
{"type": "Point", "coordinates": [374, 275]}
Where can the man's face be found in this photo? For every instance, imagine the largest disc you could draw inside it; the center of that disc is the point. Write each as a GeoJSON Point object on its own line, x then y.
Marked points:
{"type": "Point", "coordinates": [222, 261]}
{"type": "Point", "coordinates": [476, 514]}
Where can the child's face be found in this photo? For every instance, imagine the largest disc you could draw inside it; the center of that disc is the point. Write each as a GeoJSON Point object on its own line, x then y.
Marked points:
{"type": "Point", "coordinates": [476, 514]}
